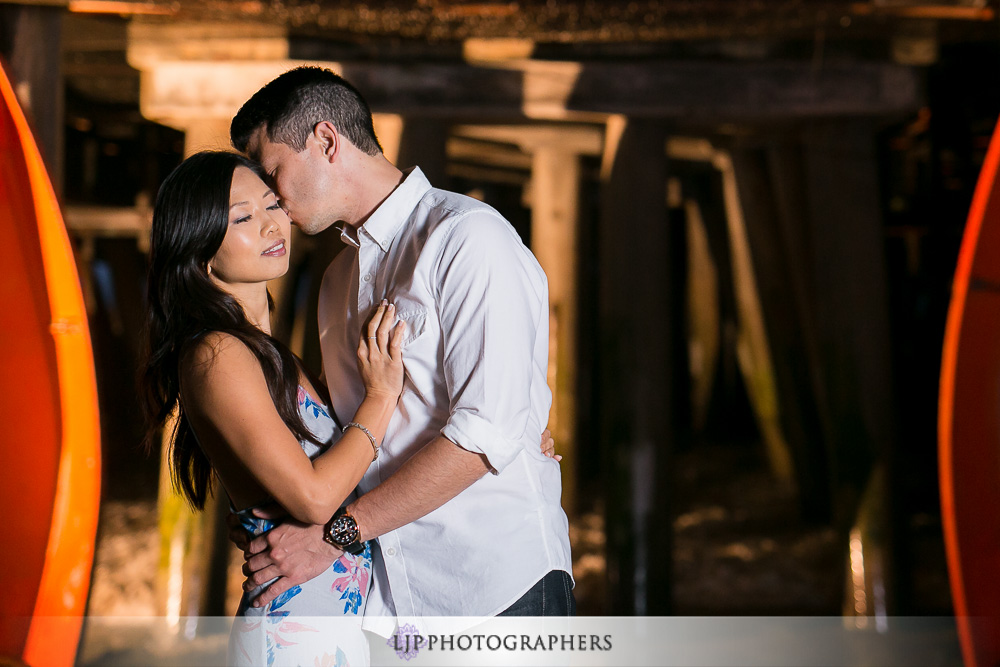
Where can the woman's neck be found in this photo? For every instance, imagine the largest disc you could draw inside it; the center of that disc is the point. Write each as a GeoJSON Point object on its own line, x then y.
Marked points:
{"type": "Point", "coordinates": [253, 298]}
{"type": "Point", "coordinates": [259, 314]}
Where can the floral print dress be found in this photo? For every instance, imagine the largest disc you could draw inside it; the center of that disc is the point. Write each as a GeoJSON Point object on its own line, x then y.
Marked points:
{"type": "Point", "coordinates": [317, 623]}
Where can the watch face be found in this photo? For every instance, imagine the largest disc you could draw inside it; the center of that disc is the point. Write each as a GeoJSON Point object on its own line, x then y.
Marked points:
{"type": "Point", "coordinates": [344, 530]}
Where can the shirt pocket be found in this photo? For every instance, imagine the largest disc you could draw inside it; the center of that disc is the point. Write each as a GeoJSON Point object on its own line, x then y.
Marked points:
{"type": "Point", "coordinates": [417, 355]}
{"type": "Point", "coordinates": [416, 321]}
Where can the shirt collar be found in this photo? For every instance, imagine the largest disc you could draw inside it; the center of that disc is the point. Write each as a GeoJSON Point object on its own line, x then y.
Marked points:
{"type": "Point", "coordinates": [386, 220]}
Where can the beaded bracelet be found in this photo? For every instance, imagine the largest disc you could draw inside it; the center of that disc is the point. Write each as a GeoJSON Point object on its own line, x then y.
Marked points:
{"type": "Point", "coordinates": [366, 432]}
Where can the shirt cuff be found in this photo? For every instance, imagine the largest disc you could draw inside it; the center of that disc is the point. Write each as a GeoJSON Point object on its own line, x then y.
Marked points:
{"type": "Point", "coordinates": [475, 434]}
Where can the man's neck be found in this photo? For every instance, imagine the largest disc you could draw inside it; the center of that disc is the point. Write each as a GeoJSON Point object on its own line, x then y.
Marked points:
{"type": "Point", "coordinates": [378, 180]}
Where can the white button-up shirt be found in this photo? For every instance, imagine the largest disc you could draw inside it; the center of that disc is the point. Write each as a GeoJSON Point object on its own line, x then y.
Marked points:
{"type": "Point", "coordinates": [476, 351]}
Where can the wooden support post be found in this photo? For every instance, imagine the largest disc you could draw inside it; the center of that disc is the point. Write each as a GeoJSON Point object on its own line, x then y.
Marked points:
{"type": "Point", "coordinates": [422, 144]}
{"type": "Point", "coordinates": [852, 314]}
{"type": "Point", "coordinates": [638, 377]}
{"type": "Point", "coordinates": [852, 323]}
{"type": "Point", "coordinates": [705, 203]}
{"type": "Point", "coordinates": [753, 350]}
{"type": "Point", "coordinates": [773, 210]}
{"type": "Point", "coordinates": [555, 191]}
{"type": "Point", "coordinates": [30, 40]}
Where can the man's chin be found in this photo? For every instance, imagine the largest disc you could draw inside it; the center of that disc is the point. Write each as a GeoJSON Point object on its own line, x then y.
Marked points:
{"type": "Point", "coordinates": [308, 228]}
{"type": "Point", "coordinates": [312, 227]}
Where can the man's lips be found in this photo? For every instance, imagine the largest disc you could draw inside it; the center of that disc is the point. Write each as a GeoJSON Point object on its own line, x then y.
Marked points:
{"type": "Point", "coordinates": [276, 250]}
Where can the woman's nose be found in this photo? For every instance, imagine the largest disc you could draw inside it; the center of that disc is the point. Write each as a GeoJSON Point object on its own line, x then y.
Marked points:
{"type": "Point", "coordinates": [271, 222]}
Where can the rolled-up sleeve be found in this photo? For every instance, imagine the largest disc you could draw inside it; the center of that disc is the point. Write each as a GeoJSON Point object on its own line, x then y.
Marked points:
{"type": "Point", "coordinates": [493, 305]}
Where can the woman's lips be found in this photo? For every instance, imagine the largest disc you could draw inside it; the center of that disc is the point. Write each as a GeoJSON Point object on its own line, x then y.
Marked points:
{"type": "Point", "coordinates": [277, 250]}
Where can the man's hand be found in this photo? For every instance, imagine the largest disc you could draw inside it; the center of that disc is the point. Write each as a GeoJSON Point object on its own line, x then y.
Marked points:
{"type": "Point", "coordinates": [294, 551]}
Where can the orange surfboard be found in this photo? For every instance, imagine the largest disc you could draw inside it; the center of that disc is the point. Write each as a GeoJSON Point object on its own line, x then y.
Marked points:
{"type": "Point", "coordinates": [49, 427]}
{"type": "Point", "coordinates": [969, 424]}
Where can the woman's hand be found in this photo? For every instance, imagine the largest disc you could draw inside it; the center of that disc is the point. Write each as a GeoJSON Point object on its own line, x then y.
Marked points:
{"type": "Point", "coordinates": [380, 354]}
{"type": "Point", "coordinates": [549, 446]}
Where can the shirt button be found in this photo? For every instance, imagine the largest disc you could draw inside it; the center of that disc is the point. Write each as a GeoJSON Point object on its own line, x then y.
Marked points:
{"type": "Point", "coordinates": [368, 277]}
{"type": "Point", "coordinates": [390, 551]}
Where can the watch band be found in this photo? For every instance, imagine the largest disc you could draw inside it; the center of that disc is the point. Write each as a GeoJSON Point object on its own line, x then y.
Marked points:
{"type": "Point", "coordinates": [342, 532]}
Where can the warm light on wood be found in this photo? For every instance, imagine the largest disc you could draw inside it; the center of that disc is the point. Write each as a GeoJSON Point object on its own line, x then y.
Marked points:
{"type": "Point", "coordinates": [111, 7]}
{"type": "Point", "coordinates": [926, 11]}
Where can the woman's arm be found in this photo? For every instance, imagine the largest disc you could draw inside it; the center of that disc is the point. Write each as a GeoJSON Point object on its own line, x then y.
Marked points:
{"type": "Point", "coordinates": [227, 400]}
{"type": "Point", "coordinates": [296, 551]}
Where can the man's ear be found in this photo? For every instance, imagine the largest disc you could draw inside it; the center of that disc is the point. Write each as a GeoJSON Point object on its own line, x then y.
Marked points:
{"type": "Point", "coordinates": [328, 139]}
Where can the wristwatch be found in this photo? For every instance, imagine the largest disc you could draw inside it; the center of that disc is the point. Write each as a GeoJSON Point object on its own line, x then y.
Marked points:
{"type": "Point", "coordinates": [342, 532]}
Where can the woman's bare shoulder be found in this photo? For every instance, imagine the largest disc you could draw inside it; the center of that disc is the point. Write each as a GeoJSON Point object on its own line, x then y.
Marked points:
{"type": "Point", "coordinates": [218, 358]}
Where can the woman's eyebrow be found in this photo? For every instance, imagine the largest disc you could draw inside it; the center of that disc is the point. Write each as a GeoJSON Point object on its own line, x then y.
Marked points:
{"type": "Point", "coordinates": [244, 203]}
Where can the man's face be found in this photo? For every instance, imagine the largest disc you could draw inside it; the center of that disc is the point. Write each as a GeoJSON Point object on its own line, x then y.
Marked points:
{"type": "Point", "coordinates": [302, 180]}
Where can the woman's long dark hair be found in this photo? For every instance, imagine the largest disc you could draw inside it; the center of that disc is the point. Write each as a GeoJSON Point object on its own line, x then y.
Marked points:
{"type": "Point", "coordinates": [190, 219]}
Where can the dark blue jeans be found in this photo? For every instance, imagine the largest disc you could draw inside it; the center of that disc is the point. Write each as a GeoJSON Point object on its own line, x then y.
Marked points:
{"type": "Point", "coordinates": [551, 596]}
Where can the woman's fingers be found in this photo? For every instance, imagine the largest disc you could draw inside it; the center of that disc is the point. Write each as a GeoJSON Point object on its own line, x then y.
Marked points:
{"type": "Point", "coordinates": [549, 445]}
{"type": "Point", "coordinates": [382, 336]}
{"type": "Point", "coordinates": [369, 333]}
{"type": "Point", "coordinates": [396, 341]}
{"type": "Point", "coordinates": [376, 320]}
{"type": "Point", "coordinates": [382, 332]}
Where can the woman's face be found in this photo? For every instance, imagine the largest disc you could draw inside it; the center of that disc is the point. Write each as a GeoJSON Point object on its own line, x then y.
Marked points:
{"type": "Point", "coordinates": [255, 249]}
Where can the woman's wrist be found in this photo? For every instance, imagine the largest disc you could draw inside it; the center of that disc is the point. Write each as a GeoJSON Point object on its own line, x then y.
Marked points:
{"type": "Point", "coordinates": [368, 434]}
{"type": "Point", "coordinates": [381, 399]}
{"type": "Point", "coordinates": [375, 412]}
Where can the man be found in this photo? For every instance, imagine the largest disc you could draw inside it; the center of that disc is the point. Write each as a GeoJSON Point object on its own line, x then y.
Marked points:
{"type": "Point", "coordinates": [465, 508]}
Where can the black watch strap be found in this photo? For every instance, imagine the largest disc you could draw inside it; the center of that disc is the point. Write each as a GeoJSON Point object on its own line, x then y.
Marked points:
{"type": "Point", "coordinates": [355, 548]}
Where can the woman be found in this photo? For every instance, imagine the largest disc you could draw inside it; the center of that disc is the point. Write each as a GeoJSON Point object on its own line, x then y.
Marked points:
{"type": "Point", "coordinates": [247, 412]}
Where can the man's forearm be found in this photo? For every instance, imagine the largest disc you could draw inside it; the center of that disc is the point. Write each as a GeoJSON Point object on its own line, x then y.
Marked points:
{"type": "Point", "coordinates": [434, 475]}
